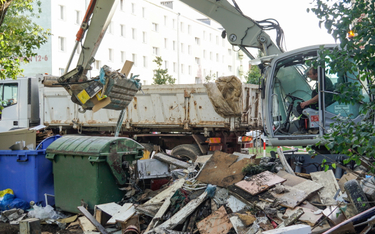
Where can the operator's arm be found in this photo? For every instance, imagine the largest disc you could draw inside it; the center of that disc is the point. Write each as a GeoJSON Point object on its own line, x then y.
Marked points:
{"type": "Point", "coordinates": [309, 102]}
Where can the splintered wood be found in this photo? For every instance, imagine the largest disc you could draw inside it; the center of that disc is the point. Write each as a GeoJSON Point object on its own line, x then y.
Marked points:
{"type": "Point", "coordinates": [259, 183]}
{"type": "Point", "coordinates": [217, 222]}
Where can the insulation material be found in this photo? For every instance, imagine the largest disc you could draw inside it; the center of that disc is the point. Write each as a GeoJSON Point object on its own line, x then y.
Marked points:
{"type": "Point", "coordinates": [226, 95]}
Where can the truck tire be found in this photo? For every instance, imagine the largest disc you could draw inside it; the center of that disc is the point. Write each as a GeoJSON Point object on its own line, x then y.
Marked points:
{"type": "Point", "coordinates": [187, 152]}
{"type": "Point", "coordinates": [357, 196]}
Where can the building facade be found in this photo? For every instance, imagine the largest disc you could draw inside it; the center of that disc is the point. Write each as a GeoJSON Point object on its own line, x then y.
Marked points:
{"type": "Point", "coordinates": [192, 48]}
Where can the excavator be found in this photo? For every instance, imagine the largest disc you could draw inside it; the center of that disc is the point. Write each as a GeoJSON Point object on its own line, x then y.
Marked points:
{"type": "Point", "coordinates": [283, 84]}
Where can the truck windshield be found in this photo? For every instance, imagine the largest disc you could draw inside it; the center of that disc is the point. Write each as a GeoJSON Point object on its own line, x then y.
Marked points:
{"type": "Point", "coordinates": [8, 93]}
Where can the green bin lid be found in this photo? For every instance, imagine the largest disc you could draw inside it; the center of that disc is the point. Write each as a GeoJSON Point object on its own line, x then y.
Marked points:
{"type": "Point", "coordinates": [113, 150]}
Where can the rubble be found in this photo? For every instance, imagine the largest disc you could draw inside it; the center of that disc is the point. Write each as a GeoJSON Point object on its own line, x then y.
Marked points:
{"type": "Point", "coordinates": [222, 197]}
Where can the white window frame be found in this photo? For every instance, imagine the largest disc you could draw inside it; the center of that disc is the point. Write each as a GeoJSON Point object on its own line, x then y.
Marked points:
{"type": "Point", "coordinates": [123, 56]}
{"type": "Point", "coordinates": [61, 44]}
{"type": "Point", "coordinates": [110, 54]}
{"type": "Point", "coordinates": [134, 58]}
{"type": "Point", "coordinates": [78, 17]}
{"type": "Point", "coordinates": [144, 37]}
{"type": "Point", "coordinates": [122, 30]}
{"type": "Point", "coordinates": [62, 12]}
{"type": "Point", "coordinates": [155, 27]}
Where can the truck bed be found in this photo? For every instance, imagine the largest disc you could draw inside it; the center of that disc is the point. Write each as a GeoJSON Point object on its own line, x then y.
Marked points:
{"type": "Point", "coordinates": [159, 108]}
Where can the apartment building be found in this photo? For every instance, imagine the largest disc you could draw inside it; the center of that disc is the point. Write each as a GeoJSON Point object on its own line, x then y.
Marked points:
{"type": "Point", "coordinates": [191, 46]}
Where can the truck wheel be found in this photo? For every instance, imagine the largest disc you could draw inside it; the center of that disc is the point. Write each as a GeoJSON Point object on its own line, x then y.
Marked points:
{"type": "Point", "coordinates": [356, 195]}
{"type": "Point", "coordinates": [186, 152]}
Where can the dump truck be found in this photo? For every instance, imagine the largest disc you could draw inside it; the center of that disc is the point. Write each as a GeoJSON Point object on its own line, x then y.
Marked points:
{"type": "Point", "coordinates": [175, 117]}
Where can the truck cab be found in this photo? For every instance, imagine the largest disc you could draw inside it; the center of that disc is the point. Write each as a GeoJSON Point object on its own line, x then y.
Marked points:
{"type": "Point", "coordinates": [19, 100]}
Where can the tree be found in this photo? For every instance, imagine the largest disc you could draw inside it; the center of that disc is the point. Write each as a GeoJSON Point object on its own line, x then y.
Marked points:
{"type": "Point", "coordinates": [355, 55]}
{"type": "Point", "coordinates": [210, 77]}
{"type": "Point", "coordinates": [161, 76]}
{"type": "Point", "coordinates": [19, 36]}
{"type": "Point", "coordinates": [254, 73]}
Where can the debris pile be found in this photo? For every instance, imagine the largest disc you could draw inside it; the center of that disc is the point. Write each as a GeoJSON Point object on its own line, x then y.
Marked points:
{"type": "Point", "coordinates": [231, 193]}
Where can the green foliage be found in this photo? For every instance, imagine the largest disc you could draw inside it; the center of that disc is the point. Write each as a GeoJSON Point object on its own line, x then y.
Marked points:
{"type": "Point", "coordinates": [356, 56]}
{"type": "Point", "coordinates": [19, 37]}
{"type": "Point", "coordinates": [210, 77]}
{"type": "Point", "coordinates": [161, 76]}
{"type": "Point", "coordinates": [253, 75]}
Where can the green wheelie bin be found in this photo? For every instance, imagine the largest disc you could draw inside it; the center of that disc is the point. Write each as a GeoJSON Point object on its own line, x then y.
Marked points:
{"type": "Point", "coordinates": [91, 169]}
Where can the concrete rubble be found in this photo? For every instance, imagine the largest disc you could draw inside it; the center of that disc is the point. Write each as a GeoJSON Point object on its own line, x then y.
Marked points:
{"type": "Point", "coordinates": [227, 193]}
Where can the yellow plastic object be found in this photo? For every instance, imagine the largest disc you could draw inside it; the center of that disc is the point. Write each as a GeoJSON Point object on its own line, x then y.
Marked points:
{"type": "Point", "coordinates": [83, 96]}
{"type": "Point", "coordinates": [6, 191]}
{"type": "Point", "coordinates": [100, 96]}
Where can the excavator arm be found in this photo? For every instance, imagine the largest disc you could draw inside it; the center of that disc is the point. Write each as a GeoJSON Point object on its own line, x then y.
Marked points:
{"type": "Point", "coordinates": [241, 31]}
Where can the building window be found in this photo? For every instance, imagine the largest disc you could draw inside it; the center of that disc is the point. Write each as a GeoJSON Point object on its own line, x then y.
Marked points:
{"type": "Point", "coordinates": [189, 29]}
{"type": "Point", "coordinates": [197, 41]}
{"type": "Point", "coordinates": [182, 27]}
{"type": "Point", "coordinates": [182, 48]}
{"type": "Point", "coordinates": [217, 57]}
{"type": "Point", "coordinates": [166, 64]}
{"type": "Point", "coordinates": [62, 12]}
{"type": "Point", "coordinates": [197, 61]}
{"type": "Point", "coordinates": [197, 80]}
{"type": "Point", "coordinates": [182, 68]}
{"type": "Point", "coordinates": [174, 45]}
{"type": "Point", "coordinates": [123, 56]}
{"type": "Point", "coordinates": [122, 5]}
{"type": "Point", "coordinates": [134, 58]}
{"type": "Point", "coordinates": [217, 40]}
{"type": "Point", "coordinates": [229, 68]}
{"type": "Point", "coordinates": [61, 41]}
{"type": "Point", "coordinates": [204, 53]}
{"type": "Point", "coordinates": [110, 55]}
{"type": "Point", "coordinates": [154, 27]}
{"type": "Point", "coordinates": [144, 61]}
{"type": "Point", "coordinates": [61, 71]}
{"type": "Point", "coordinates": [133, 8]}
{"type": "Point", "coordinates": [210, 37]}
{"type": "Point", "coordinates": [110, 28]}
{"type": "Point", "coordinates": [189, 49]}
{"type": "Point", "coordinates": [78, 17]}
{"type": "Point", "coordinates": [174, 67]}
{"type": "Point", "coordinates": [210, 55]}
{"type": "Point", "coordinates": [165, 20]}
{"type": "Point", "coordinates": [143, 12]}
{"type": "Point", "coordinates": [204, 35]}
{"type": "Point", "coordinates": [165, 43]}
{"type": "Point", "coordinates": [155, 50]}
{"type": "Point", "coordinates": [144, 82]}
{"type": "Point", "coordinates": [97, 64]}
{"type": "Point", "coordinates": [189, 70]}
{"type": "Point", "coordinates": [229, 51]}
{"type": "Point", "coordinates": [144, 37]}
{"type": "Point", "coordinates": [174, 23]}
{"type": "Point", "coordinates": [122, 30]}
{"type": "Point", "coordinates": [134, 34]}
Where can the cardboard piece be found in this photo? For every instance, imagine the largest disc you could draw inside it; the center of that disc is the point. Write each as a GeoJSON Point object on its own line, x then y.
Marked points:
{"type": "Point", "coordinates": [127, 67]}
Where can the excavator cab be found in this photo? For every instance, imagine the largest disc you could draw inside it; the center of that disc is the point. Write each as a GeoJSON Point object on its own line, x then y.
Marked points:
{"type": "Point", "coordinates": [287, 85]}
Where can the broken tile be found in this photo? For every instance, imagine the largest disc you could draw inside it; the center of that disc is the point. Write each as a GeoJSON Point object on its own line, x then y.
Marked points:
{"type": "Point", "coordinates": [260, 182]}
{"type": "Point", "coordinates": [329, 183]}
{"type": "Point", "coordinates": [292, 198]}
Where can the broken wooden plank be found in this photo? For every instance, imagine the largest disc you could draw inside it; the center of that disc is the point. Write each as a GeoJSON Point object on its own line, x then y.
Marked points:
{"type": "Point", "coordinates": [123, 217]}
{"type": "Point", "coordinates": [127, 67]}
{"type": "Point", "coordinates": [330, 186]}
{"type": "Point", "coordinates": [164, 207]}
{"type": "Point", "coordinates": [109, 208]}
{"type": "Point", "coordinates": [120, 213]}
{"type": "Point", "coordinates": [86, 225]}
{"type": "Point", "coordinates": [166, 193]}
{"type": "Point", "coordinates": [170, 160]}
{"type": "Point", "coordinates": [187, 210]}
{"type": "Point", "coordinates": [217, 222]}
{"type": "Point", "coordinates": [100, 228]}
{"type": "Point", "coordinates": [260, 182]}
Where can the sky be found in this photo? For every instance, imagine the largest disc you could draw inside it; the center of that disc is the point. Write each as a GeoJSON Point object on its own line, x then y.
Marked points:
{"type": "Point", "coordinates": [300, 28]}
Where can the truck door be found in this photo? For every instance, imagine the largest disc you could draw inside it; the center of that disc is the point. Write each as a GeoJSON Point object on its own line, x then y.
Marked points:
{"type": "Point", "coordinates": [9, 102]}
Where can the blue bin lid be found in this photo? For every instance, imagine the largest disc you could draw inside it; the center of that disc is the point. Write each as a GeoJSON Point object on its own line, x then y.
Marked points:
{"type": "Point", "coordinates": [46, 142]}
